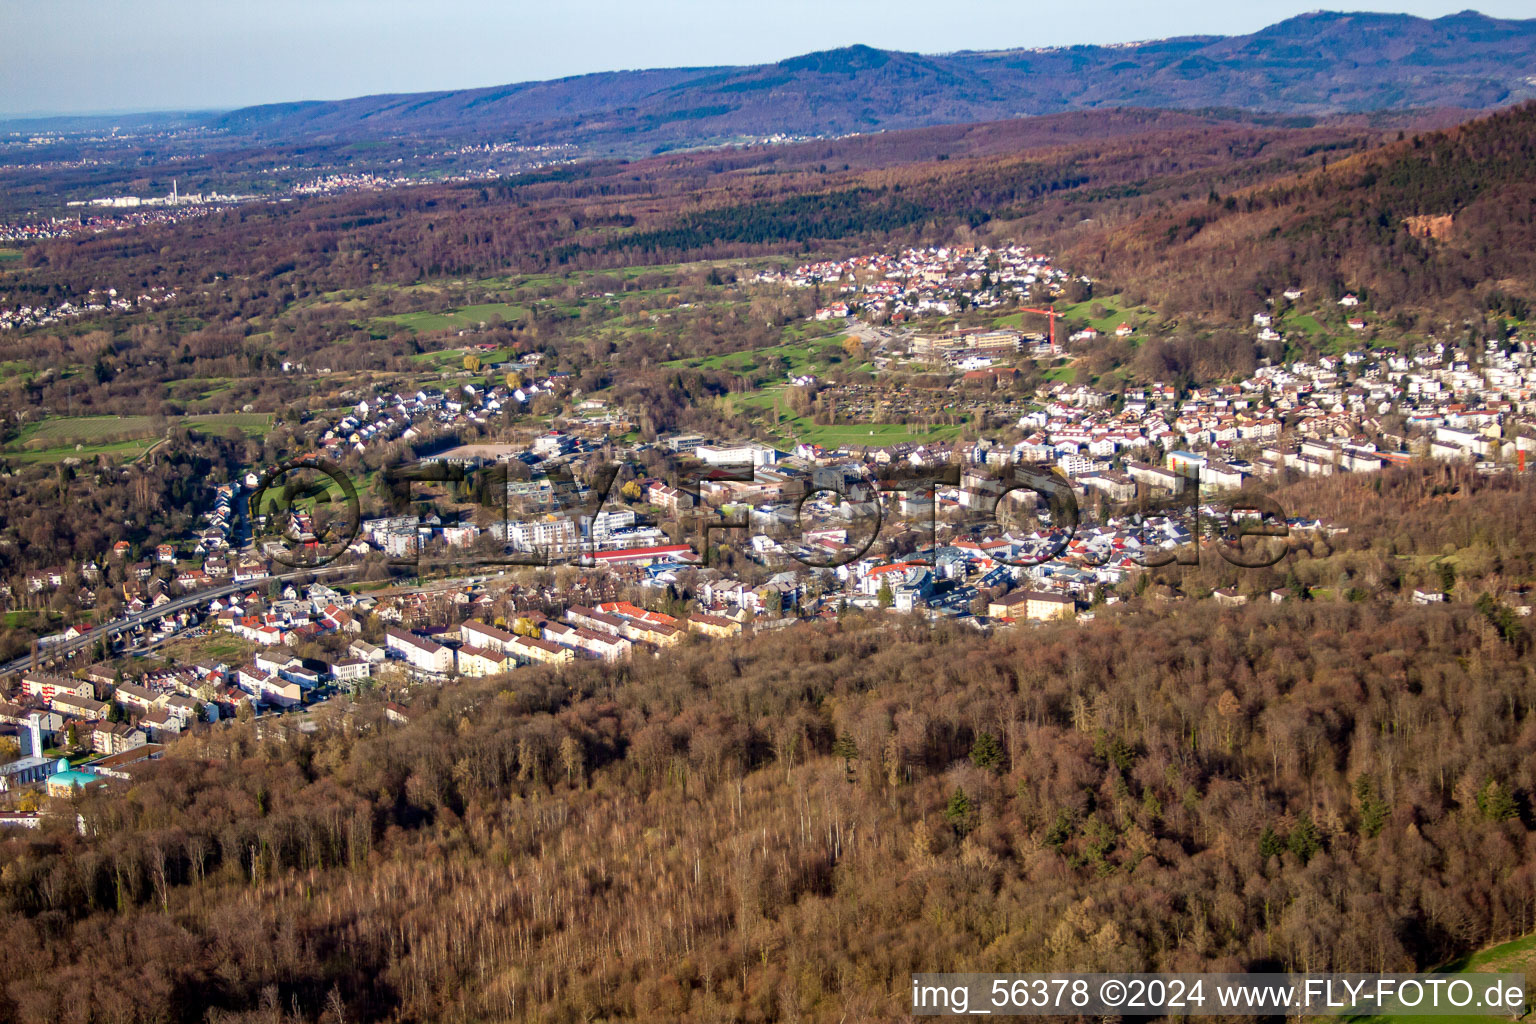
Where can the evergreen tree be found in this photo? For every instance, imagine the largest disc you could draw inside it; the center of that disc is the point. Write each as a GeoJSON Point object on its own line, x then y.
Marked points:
{"type": "Point", "coordinates": [1271, 843]}
{"type": "Point", "coordinates": [961, 813]}
{"type": "Point", "coordinates": [1374, 811]}
{"type": "Point", "coordinates": [848, 750]}
{"type": "Point", "coordinates": [987, 753]}
{"type": "Point", "coordinates": [1495, 803]}
{"type": "Point", "coordinates": [1060, 831]}
{"type": "Point", "coordinates": [1304, 841]}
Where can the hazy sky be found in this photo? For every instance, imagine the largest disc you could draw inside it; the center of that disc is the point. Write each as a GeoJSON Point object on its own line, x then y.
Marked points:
{"type": "Point", "coordinates": [117, 55]}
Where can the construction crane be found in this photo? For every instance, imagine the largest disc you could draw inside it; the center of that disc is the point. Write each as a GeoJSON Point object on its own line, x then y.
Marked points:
{"type": "Point", "coordinates": [1049, 312]}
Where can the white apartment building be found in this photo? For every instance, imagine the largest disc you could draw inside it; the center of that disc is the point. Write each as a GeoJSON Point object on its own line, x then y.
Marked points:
{"type": "Point", "coordinates": [418, 651]}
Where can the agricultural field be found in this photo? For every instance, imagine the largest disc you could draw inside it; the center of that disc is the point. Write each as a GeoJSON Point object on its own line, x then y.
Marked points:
{"type": "Point", "coordinates": [10, 254]}
{"type": "Point", "coordinates": [122, 451]}
{"type": "Point", "coordinates": [627, 273]}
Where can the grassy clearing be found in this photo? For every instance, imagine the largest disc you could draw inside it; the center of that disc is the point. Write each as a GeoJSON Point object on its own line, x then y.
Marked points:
{"type": "Point", "coordinates": [1116, 312]}
{"type": "Point", "coordinates": [1306, 323]}
{"type": "Point", "coordinates": [332, 496]}
{"type": "Point", "coordinates": [1514, 955]}
{"type": "Point", "coordinates": [124, 450]}
{"type": "Point", "coordinates": [441, 359]}
{"type": "Point", "coordinates": [128, 436]}
{"type": "Point", "coordinates": [1327, 330]}
{"type": "Point", "coordinates": [764, 399]}
{"type": "Point", "coordinates": [453, 319]}
{"type": "Point", "coordinates": [453, 358]}
{"type": "Point", "coordinates": [1518, 956]}
{"type": "Point", "coordinates": [771, 407]}
{"type": "Point", "coordinates": [10, 254]}
{"type": "Point", "coordinates": [1324, 338]}
{"type": "Point", "coordinates": [201, 389]}
{"type": "Point", "coordinates": [815, 355]}
{"type": "Point", "coordinates": [220, 646]}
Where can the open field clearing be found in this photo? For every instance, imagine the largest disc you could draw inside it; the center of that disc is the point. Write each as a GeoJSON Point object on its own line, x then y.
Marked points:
{"type": "Point", "coordinates": [127, 436]}
{"type": "Point", "coordinates": [1518, 956]}
{"type": "Point", "coordinates": [453, 319]}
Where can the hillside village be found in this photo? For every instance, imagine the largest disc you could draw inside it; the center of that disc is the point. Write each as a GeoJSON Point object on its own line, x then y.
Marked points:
{"type": "Point", "coordinates": [896, 287]}
{"type": "Point", "coordinates": [795, 539]}
{"type": "Point", "coordinates": [95, 303]}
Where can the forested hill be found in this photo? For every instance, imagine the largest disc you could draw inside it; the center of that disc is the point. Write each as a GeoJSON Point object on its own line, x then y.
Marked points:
{"type": "Point", "coordinates": [784, 827]}
{"type": "Point", "coordinates": [1440, 220]}
{"type": "Point", "coordinates": [1316, 63]}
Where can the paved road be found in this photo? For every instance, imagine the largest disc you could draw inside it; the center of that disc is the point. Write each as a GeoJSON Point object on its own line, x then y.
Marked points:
{"type": "Point", "coordinates": [57, 651]}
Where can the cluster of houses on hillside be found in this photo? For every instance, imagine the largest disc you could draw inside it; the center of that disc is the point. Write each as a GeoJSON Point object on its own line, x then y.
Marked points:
{"type": "Point", "coordinates": [408, 417]}
{"type": "Point", "coordinates": [50, 712]}
{"type": "Point", "coordinates": [1360, 411]}
{"type": "Point", "coordinates": [797, 525]}
{"type": "Point", "coordinates": [95, 303]}
{"type": "Point", "coordinates": [207, 557]}
{"type": "Point", "coordinates": [1324, 416]}
{"type": "Point", "coordinates": [95, 223]}
{"type": "Point", "coordinates": [1357, 412]}
{"type": "Point", "coordinates": [936, 279]}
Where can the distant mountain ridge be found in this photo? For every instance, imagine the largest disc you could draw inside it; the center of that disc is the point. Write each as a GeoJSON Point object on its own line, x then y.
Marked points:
{"type": "Point", "coordinates": [1313, 64]}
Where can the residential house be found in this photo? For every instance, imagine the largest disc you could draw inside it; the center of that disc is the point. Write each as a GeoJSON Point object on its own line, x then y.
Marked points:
{"type": "Point", "coordinates": [50, 686]}
{"type": "Point", "coordinates": [79, 707]}
{"type": "Point", "coordinates": [714, 625]}
{"type": "Point", "coordinates": [418, 651]}
{"type": "Point", "coordinates": [1039, 605]}
{"type": "Point", "coordinates": [483, 661]}
{"type": "Point", "coordinates": [107, 738]}
{"type": "Point", "coordinates": [534, 651]}
{"type": "Point", "coordinates": [491, 638]}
